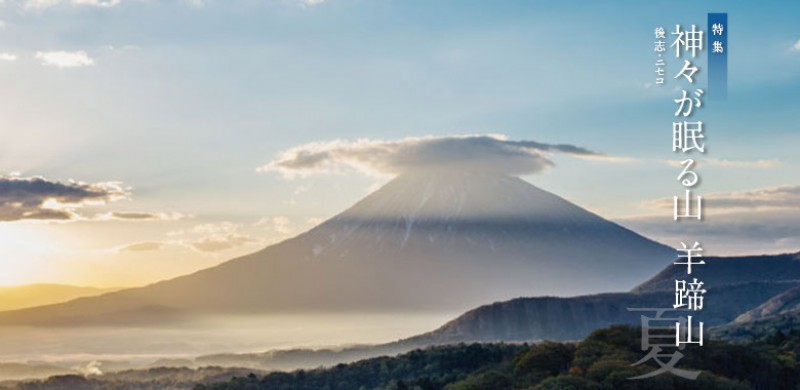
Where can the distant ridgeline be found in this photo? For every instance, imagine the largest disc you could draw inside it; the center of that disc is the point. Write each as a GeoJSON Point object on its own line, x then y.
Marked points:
{"type": "Point", "coordinates": [745, 289]}
{"type": "Point", "coordinates": [756, 304]}
{"type": "Point", "coordinates": [601, 361]}
{"type": "Point", "coordinates": [752, 297]}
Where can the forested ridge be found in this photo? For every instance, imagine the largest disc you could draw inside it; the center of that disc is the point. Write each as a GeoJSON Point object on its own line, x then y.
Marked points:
{"type": "Point", "coordinates": [601, 361]}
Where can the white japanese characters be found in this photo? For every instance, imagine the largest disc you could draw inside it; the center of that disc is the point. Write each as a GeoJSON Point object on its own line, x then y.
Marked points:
{"type": "Point", "coordinates": [663, 336]}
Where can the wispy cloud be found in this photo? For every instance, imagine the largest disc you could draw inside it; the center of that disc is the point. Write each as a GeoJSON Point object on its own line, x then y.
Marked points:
{"type": "Point", "coordinates": [715, 162]}
{"type": "Point", "coordinates": [736, 233]}
{"type": "Point", "coordinates": [785, 197]}
{"type": "Point", "coordinates": [141, 216]}
{"type": "Point", "coordinates": [37, 198]}
{"type": "Point", "coordinates": [314, 221]}
{"type": "Point", "coordinates": [98, 3]}
{"type": "Point", "coordinates": [42, 4]}
{"type": "Point", "coordinates": [494, 153]}
{"type": "Point", "coordinates": [8, 57]}
{"type": "Point", "coordinates": [146, 246]}
{"type": "Point", "coordinates": [771, 198]}
{"type": "Point", "coordinates": [222, 243]}
{"type": "Point", "coordinates": [213, 237]}
{"type": "Point", "coordinates": [65, 59]}
{"type": "Point", "coordinates": [280, 224]}
{"type": "Point", "coordinates": [796, 46]}
{"type": "Point", "coordinates": [764, 220]}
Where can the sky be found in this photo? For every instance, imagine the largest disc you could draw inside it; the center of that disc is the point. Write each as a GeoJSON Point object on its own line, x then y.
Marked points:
{"type": "Point", "coordinates": [146, 139]}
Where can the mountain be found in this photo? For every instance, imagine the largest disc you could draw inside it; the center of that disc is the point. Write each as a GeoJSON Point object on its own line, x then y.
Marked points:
{"type": "Point", "coordinates": [439, 240]}
{"type": "Point", "coordinates": [520, 320]}
{"type": "Point", "coordinates": [786, 301]}
{"type": "Point", "coordinates": [785, 322]}
{"type": "Point", "coordinates": [30, 295]}
{"type": "Point", "coordinates": [737, 287]}
{"type": "Point", "coordinates": [720, 271]}
{"type": "Point", "coordinates": [780, 313]}
{"type": "Point", "coordinates": [742, 285]}
{"type": "Point", "coordinates": [527, 319]}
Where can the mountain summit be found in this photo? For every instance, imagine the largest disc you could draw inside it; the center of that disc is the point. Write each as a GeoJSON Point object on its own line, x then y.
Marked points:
{"type": "Point", "coordinates": [438, 240]}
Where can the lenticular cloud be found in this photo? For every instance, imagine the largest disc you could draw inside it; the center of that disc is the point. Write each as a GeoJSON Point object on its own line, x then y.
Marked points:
{"type": "Point", "coordinates": [488, 153]}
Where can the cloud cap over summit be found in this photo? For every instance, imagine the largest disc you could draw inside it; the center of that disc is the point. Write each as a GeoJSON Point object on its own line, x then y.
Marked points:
{"type": "Point", "coordinates": [486, 153]}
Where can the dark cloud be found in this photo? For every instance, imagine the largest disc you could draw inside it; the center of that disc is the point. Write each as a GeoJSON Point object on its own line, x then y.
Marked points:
{"type": "Point", "coordinates": [142, 216]}
{"type": "Point", "coordinates": [37, 198]}
{"type": "Point", "coordinates": [133, 215]}
{"type": "Point", "coordinates": [469, 153]}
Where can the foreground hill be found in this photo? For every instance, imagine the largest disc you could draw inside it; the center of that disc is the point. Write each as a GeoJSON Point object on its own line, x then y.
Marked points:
{"type": "Point", "coordinates": [445, 240]}
{"type": "Point", "coordinates": [162, 378]}
{"type": "Point", "coordinates": [601, 361]}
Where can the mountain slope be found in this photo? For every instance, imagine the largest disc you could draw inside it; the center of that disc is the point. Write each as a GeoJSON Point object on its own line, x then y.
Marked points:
{"type": "Point", "coordinates": [554, 318]}
{"type": "Point", "coordinates": [720, 271]}
{"type": "Point", "coordinates": [787, 301]}
{"type": "Point", "coordinates": [444, 240]}
{"type": "Point", "coordinates": [739, 288]}
{"type": "Point", "coordinates": [30, 295]}
{"type": "Point", "coordinates": [548, 318]}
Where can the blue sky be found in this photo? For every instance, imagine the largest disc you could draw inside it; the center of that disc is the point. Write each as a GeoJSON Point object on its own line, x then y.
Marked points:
{"type": "Point", "coordinates": [183, 100]}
